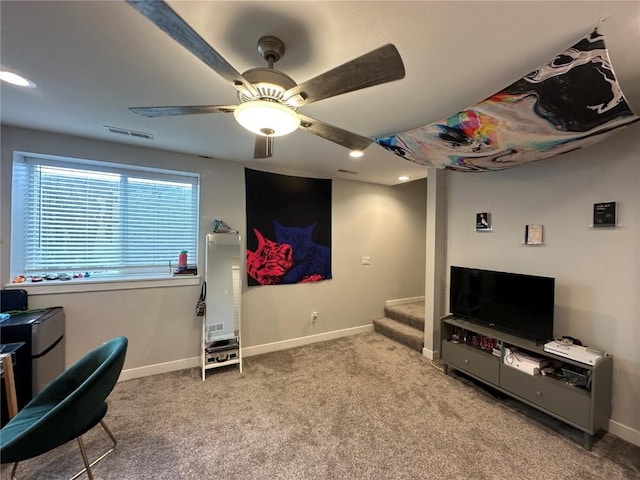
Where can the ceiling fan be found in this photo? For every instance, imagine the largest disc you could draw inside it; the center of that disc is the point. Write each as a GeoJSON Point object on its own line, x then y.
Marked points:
{"type": "Point", "coordinates": [269, 99]}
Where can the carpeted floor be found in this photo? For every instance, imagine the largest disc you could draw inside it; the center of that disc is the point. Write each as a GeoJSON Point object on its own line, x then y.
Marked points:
{"type": "Point", "coordinates": [361, 407]}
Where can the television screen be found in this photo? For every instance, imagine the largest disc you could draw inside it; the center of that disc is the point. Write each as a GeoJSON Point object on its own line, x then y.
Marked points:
{"type": "Point", "coordinates": [512, 302]}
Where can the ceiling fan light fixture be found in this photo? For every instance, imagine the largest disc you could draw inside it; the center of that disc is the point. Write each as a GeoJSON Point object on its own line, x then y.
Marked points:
{"type": "Point", "coordinates": [270, 119]}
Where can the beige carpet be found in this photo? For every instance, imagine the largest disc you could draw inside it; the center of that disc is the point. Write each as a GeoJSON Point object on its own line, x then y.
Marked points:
{"type": "Point", "coordinates": [362, 407]}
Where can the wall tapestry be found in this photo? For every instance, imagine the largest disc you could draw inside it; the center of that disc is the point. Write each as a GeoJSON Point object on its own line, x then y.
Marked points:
{"type": "Point", "coordinates": [573, 101]}
{"type": "Point", "coordinates": [288, 228]}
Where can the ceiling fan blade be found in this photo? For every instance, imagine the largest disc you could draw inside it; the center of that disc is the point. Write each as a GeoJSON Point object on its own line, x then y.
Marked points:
{"type": "Point", "coordinates": [163, 16]}
{"type": "Point", "coordinates": [263, 147]}
{"type": "Point", "coordinates": [347, 139]}
{"type": "Point", "coordinates": [181, 110]}
{"type": "Point", "coordinates": [379, 66]}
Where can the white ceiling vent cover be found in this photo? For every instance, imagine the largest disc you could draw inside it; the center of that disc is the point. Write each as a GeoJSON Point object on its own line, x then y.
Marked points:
{"type": "Point", "coordinates": [130, 133]}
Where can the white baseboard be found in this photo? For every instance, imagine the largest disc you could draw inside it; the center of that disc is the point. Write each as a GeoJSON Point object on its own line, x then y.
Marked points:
{"type": "Point", "coordinates": [157, 368]}
{"type": "Point", "coordinates": [185, 363]}
{"type": "Point", "coordinates": [628, 434]}
{"type": "Point", "coordinates": [430, 354]}
{"type": "Point", "coordinates": [298, 342]}
{"type": "Point", "coordinates": [402, 301]}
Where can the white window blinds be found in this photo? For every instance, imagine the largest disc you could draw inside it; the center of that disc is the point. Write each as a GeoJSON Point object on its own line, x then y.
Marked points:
{"type": "Point", "coordinates": [91, 217]}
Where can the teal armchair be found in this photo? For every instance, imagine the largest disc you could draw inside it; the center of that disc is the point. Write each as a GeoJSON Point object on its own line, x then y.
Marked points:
{"type": "Point", "coordinates": [68, 407]}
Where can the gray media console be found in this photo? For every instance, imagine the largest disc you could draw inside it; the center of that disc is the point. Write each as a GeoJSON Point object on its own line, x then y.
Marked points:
{"type": "Point", "coordinates": [584, 404]}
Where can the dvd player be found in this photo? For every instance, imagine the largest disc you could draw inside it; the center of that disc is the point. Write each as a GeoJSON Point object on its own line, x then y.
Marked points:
{"type": "Point", "coordinates": [577, 353]}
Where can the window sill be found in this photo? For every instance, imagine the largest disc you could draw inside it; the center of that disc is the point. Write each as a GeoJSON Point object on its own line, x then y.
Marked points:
{"type": "Point", "coordinates": [102, 284]}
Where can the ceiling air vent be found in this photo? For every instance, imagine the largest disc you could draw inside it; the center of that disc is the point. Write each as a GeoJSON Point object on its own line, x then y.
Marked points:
{"type": "Point", "coordinates": [342, 170]}
{"type": "Point", "coordinates": [130, 133]}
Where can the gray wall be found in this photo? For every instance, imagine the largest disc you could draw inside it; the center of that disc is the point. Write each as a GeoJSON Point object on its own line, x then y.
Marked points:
{"type": "Point", "coordinates": [597, 271]}
{"type": "Point", "coordinates": [385, 223]}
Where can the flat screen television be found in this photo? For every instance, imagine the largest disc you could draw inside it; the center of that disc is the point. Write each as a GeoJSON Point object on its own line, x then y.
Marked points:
{"type": "Point", "coordinates": [512, 302]}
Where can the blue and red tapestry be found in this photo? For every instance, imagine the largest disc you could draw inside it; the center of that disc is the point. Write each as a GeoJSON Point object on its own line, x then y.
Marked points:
{"type": "Point", "coordinates": [573, 101]}
{"type": "Point", "coordinates": [288, 228]}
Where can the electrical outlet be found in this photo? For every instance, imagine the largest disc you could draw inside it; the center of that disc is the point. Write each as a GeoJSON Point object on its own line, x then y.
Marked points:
{"type": "Point", "coordinates": [366, 261]}
{"type": "Point", "coordinates": [314, 317]}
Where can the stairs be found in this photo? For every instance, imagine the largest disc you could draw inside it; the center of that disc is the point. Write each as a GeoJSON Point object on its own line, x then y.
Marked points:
{"type": "Point", "coordinates": [403, 323]}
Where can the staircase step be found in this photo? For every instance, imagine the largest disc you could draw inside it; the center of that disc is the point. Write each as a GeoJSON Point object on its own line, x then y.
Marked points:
{"type": "Point", "coordinates": [411, 314]}
{"type": "Point", "coordinates": [400, 332]}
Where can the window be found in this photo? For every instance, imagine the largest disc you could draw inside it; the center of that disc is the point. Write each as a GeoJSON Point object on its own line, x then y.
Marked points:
{"type": "Point", "coordinates": [72, 216]}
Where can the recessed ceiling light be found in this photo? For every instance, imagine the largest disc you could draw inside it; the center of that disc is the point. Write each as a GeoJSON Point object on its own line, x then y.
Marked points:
{"type": "Point", "coordinates": [356, 153]}
{"type": "Point", "coordinates": [403, 178]}
{"type": "Point", "coordinates": [16, 79]}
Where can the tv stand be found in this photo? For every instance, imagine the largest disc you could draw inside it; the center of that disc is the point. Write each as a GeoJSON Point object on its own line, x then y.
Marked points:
{"type": "Point", "coordinates": [582, 400]}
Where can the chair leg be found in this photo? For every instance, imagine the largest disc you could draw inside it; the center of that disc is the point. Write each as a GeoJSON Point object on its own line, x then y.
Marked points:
{"type": "Point", "coordinates": [87, 467]}
{"type": "Point", "coordinates": [86, 459]}
{"type": "Point", "coordinates": [13, 471]}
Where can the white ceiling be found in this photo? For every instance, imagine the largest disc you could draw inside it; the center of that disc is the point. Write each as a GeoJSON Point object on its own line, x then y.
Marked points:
{"type": "Point", "coordinates": [94, 59]}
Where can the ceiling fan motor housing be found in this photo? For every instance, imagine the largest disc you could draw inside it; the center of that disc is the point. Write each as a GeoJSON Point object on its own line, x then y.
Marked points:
{"type": "Point", "coordinates": [271, 85]}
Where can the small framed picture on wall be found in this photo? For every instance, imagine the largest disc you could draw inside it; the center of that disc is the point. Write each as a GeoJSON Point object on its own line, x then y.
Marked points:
{"type": "Point", "coordinates": [533, 234]}
{"type": "Point", "coordinates": [483, 222]}
{"type": "Point", "coordinates": [605, 214]}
